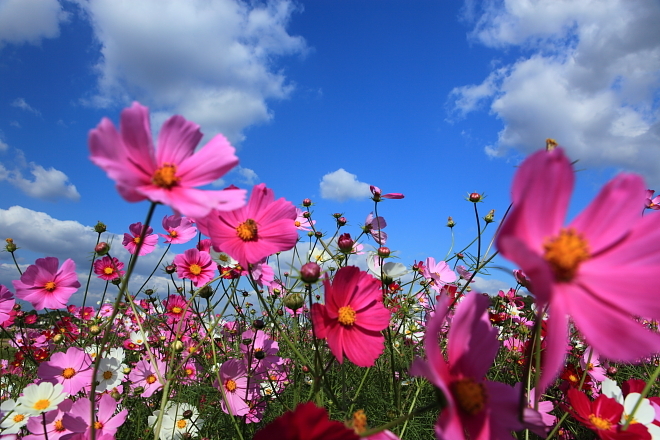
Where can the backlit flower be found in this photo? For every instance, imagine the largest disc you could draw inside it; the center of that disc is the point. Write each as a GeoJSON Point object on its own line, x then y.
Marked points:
{"type": "Point", "coordinates": [46, 286]}
{"type": "Point", "coordinates": [170, 174]}
{"type": "Point", "coordinates": [132, 240]}
{"type": "Point", "coordinates": [352, 317]}
{"type": "Point", "coordinates": [249, 234]}
{"type": "Point", "coordinates": [108, 268]}
{"type": "Point", "coordinates": [180, 230]}
{"type": "Point", "coordinates": [583, 270]}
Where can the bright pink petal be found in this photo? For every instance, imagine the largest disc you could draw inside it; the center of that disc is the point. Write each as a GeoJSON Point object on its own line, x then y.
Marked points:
{"type": "Point", "coordinates": [177, 141]}
{"type": "Point", "coordinates": [362, 347]}
{"type": "Point", "coordinates": [211, 162]}
{"type": "Point", "coordinates": [556, 340]}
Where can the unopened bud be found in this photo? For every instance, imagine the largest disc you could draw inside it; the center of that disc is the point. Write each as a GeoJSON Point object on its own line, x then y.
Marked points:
{"type": "Point", "coordinates": [475, 197]}
{"type": "Point", "coordinates": [126, 370]}
{"type": "Point", "coordinates": [116, 281]}
{"type": "Point", "coordinates": [206, 292]}
{"type": "Point", "coordinates": [187, 414]}
{"type": "Point", "coordinates": [307, 214]}
{"type": "Point", "coordinates": [345, 243]}
{"type": "Point", "coordinates": [490, 216]}
{"type": "Point", "coordinates": [336, 215]}
{"type": "Point", "coordinates": [310, 272]}
{"type": "Point", "coordinates": [100, 227]}
{"type": "Point", "coordinates": [341, 221]}
{"type": "Point", "coordinates": [10, 247]}
{"type": "Point", "coordinates": [58, 338]}
{"type": "Point", "coordinates": [318, 234]}
{"type": "Point", "coordinates": [170, 269]}
{"type": "Point", "coordinates": [149, 292]}
{"type": "Point", "coordinates": [612, 371]}
{"type": "Point", "coordinates": [450, 222]}
{"type": "Point", "coordinates": [307, 203]}
{"type": "Point", "coordinates": [258, 324]}
{"type": "Point", "coordinates": [102, 248]}
{"type": "Point", "coordinates": [383, 252]}
{"type": "Point", "coordinates": [95, 330]}
{"type": "Point", "coordinates": [177, 346]}
{"type": "Point", "coordinates": [115, 395]}
{"type": "Point", "coordinates": [294, 301]}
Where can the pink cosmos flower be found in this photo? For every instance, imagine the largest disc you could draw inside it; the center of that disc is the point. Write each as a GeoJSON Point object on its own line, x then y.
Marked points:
{"type": "Point", "coordinates": [175, 306]}
{"type": "Point", "coordinates": [54, 428]}
{"type": "Point", "coordinates": [652, 202]}
{"type": "Point", "coordinates": [377, 194]}
{"type": "Point", "coordinates": [146, 376]}
{"type": "Point", "coordinates": [234, 387]}
{"type": "Point", "coordinates": [249, 234]}
{"type": "Point", "coordinates": [475, 408]}
{"type": "Point", "coordinates": [301, 223]}
{"type": "Point", "coordinates": [108, 268]}
{"type": "Point", "coordinates": [196, 266]}
{"type": "Point", "coordinates": [170, 174]}
{"type": "Point", "coordinates": [439, 273]}
{"type": "Point", "coordinates": [77, 420]}
{"type": "Point", "coordinates": [180, 230]}
{"type": "Point", "coordinates": [131, 240]}
{"type": "Point", "coordinates": [6, 304]}
{"type": "Point", "coordinates": [583, 270]}
{"type": "Point", "coordinates": [72, 369]}
{"type": "Point", "coordinates": [374, 226]}
{"type": "Point", "coordinates": [44, 286]}
{"type": "Point", "coordinates": [353, 316]}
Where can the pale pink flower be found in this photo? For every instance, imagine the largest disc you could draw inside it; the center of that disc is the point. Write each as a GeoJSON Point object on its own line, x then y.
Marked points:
{"type": "Point", "coordinates": [72, 369]}
{"type": "Point", "coordinates": [249, 234]}
{"type": "Point", "coordinates": [180, 230]}
{"type": "Point", "coordinates": [78, 419]}
{"type": "Point", "coordinates": [54, 428]}
{"type": "Point", "coordinates": [652, 202]}
{"type": "Point", "coordinates": [146, 376]}
{"type": "Point", "coordinates": [374, 226]}
{"type": "Point", "coordinates": [46, 286]}
{"type": "Point", "coordinates": [108, 268]}
{"type": "Point", "coordinates": [476, 408]}
{"type": "Point", "coordinates": [196, 266]}
{"type": "Point", "coordinates": [233, 385]}
{"type": "Point", "coordinates": [438, 273]}
{"type": "Point", "coordinates": [6, 304]}
{"type": "Point", "coordinates": [170, 174]}
{"type": "Point", "coordinates": [583, 270]}
{"type": "Point", "coordinates": [377, 194]}
{"type": "Point", "coordinates": [302, 223]}
{"type": "Point", "coordinates": [132, 240]}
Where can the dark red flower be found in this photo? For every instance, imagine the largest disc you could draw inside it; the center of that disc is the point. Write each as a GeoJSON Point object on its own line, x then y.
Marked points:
{"type": "Point", "coordinates": [306, 422]}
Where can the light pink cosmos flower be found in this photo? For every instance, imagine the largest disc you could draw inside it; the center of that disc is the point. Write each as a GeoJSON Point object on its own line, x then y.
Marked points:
{"type": "Point", "coordinates": [652, 202]}
{"type": "Point", "coordinates": [438, 273]}
{"type": "Point", "coordinates": [374, 226]}
{"type": "Point", "coordinates": [377, 194]}
{"type": "Point", "coordinates": [108, 268]}
{"type": "Point", "coordinates": [6, 304]}
{"type": "Point", "coordinates": [78, 419]}
{"type": "Point", "coordinates": [46, 286]}
{"type": "Point", "coordinates": [583, 270]}
{"type": "Point", "coordinates": [54, 428]}
{"type": "Point", "coordinates": [352, 317]}
{"type": "Point", "coordinates": [249, 234]}
{"type": "Point", "coordinates": [302, 223]}
{"type": "Point", "coordinates": [144, 375]}
{"type": "Point", "coordinates": [170, 174]}
{"type": "Point", "coordinates": [132, 240]}
{"type": "Point", "coordinates": [233, 385]}
{"type": "Point", "coordinates": [72, 369]}
{"type": "Point", "coordinates": [180, 230]}
{"type": "Point", "coordinates": [196, 266]}
{"type": "Point", "coordinates": [475, 408]}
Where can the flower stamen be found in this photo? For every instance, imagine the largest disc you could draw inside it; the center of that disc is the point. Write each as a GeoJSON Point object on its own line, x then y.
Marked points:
{"type": "Point", "coordinates": [565, 252]}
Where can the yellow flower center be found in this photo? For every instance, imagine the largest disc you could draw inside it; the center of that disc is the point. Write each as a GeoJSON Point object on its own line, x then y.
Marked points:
{"type": "Point", "coordinates": [151, 379]}
{"type": "Point", "coordinates": [107, 375]}
{"type": "Point", "coordinates": [18, 418]}
{"type": "Point", "coordinates": [181, 423]}
{"type": "Point", "coordinates": [98, 425]}
{"type": "Point", "coordinates": [50, 286]}
{"type": "Point", "coordinates": [165, 176]}
{"type": "Point", "coordinates": [41, 405]}
{"type": "Point", "coordinates": [470, 395]}
{"type": "Point", "coordinates": [346, 315]}
{"type": "Point", "coordinates": [189, 371]}
{"type": "Point", "coordinates": [195, 269]}
{"type": "Point", "coordinates": [230, 385]}
{"type": "Point", "coordinates": [136, 240]}
{"type": "Point", "coordinates": [68, 373]}
{"type": "Point", "coordinates": [108, 270]}
{"type": "Point", "coordinates": [247, 231]}
{"type": "Point", "coordinates": [59, 426]}
{"type": "Point", "coordinates": [565, 253]}
{"type": "Point", "coordinates": [177, 310]}
{"type": "Point", "coordinates": [297, 223]}
{"type": "Point", "coordinates": [600, 423]}
{"type": "Point", "coordinates": [359, 421]}
{"type": "Point", "coordinates": [174, 234]}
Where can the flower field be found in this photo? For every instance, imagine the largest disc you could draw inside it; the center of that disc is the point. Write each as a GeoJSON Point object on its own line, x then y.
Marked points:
{"type": "Point", "coordinates": [273, 327]}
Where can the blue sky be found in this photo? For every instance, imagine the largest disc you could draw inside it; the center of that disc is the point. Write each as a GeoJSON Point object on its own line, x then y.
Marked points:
{"type": "Point", "coordinates": [321, 99]}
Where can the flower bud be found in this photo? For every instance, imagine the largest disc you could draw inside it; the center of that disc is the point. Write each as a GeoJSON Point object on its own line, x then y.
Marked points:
{"type": "Point", "coordinates": [258, 324]}
{"type": "Point", "coordinates": [10, 247]}
{"type": "Point", "coordinates": [58, 338]}
{"type": "Point", "coordinates": [306, 214]}
{"type": "Point", "coordinates": [115, 395]}
{"type": "Point", "coordinates": [310, 272]}
{"type": "Point", "coordinates": [341, 221]}
{"type": "Point", "coordinates": [307, 203]}
{"type": "Point", "coordinates": [126, 370]}
{"type": "Point", "coordinates": [149, 292]}
{"type": "Point", "coordinates": [318, 234]}
{"type": "Point", "coordinates": [170, 269]}
{"type": "Point", "coordinates": [294, 301]}
{"type": "Point", "coordinates": [612, 371]}
{"type": "Point", "coordinates": [177, 346]}
{"type": "Point", "coordinates": [187, 414]}
{"type": "Point", "coordinates": [94, 329]}
{"type": "Point", "coordinates": [490, 216]}
{"type": "Point", "coordinates": [475, 197]}
{"type": "Point", "coordinates": [336, 215]}
{"type": "Point", "coordinates": [206, 292]}
{"type": "Point", "coordinates": [116, 281]}
{"type": "Point", "coordinates": [383, 252]}
{"type": "Point", "coordinates": [100, 227]}
{"type": "Point", "coordinates": [102, 248]}
{"type": "Point", "coordinates": [345, 243]}
{"type": "Point", "coordinates": [450, 222]}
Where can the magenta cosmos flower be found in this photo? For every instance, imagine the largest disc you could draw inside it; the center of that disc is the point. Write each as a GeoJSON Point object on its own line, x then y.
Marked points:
{"type": "Point", "coordinates": [170, 174]}
{"type": "Point", "coordinates": [132, 240]}
{"type": "Point", "coordinates": [235, 387]}
{"type": "Point", "coordinates": [483, 409]}
{"type": "Point", "coordinates": [600, 270]}
{"type": "Point", "coordinates": [251, 233]}
{"type": "Point", "coordinates": [108, 268]}
{"type": "Point", "coordinates": [179, 229]}
{"type": "Point", "coordinates": [196, 266]}
{"type": "Point", "coordinates": [46, 286]}
{"type": "Point", "coordinates": [353, 316]}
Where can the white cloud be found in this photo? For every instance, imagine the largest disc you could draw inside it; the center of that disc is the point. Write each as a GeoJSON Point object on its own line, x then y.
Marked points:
{"type": "Point", "coordinates": [20, 103]}
{"type": "Point", "coordinates": [341, 185]}
{"type": "Point", "coordinates": [48, 184]}
{"type": "Point", "coordinates": [489, 285]}
{"type": "Point", "coordinates": [28, 21]}
{"type": "Point", "coordinates": [249, 176]}
{"type": "Point", "coordinates": [590, 78]}
{"type": "Point", "coordinates": [3, 146]}
{"type": "Point", "coordinates": [211, 61]}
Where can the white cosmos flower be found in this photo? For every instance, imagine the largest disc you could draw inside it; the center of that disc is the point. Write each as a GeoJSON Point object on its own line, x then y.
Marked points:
{"type": "Point", "coordinates": [175, 424]}
{"type": "Point", "coordinates": [39, 399]}
{"type": "Point", "coordinates": [13, 417]}
{"type": "Point", "coordinates": [110, 374]}
{"type": "Point", "coordinates": [389, 270]}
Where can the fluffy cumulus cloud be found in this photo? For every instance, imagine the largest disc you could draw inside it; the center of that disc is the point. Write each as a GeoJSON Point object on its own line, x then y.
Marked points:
{"type": "Point", "coordinates": [588, 76]}
{"type": "Point", "coordinates": [45, 184]}
{"type": "Point", "coordinates": [29, 21]}
{"type": "Point", "coordinates": [341, 185]}
{"type": "Point", "coordinates": [248, 176]}
{"type": "Point", "coordinates": [212, 61]}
